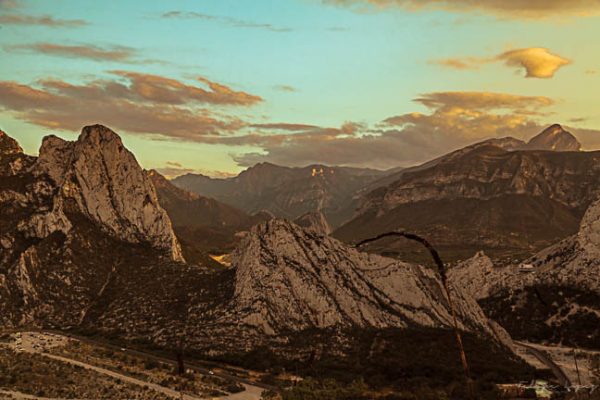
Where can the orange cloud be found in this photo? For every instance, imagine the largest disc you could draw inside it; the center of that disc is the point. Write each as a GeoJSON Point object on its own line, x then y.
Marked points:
{"type": "Point", "coordinates": [455, 120]}
{"type": "Point", "coordinates": [137, 103]}
{"type": "Point", "coordinates": [284, 126]}
{"type": "Point", "coordinates": [537, 62]}
{"type": "Point", "coordinates": [45, 20]}
{"type": "Point", "coordinates": [167, 90]}
{"type": "Point", "coordinates": [458, 63]}
{"type": "Point", "coordinates": [530, 9]}
{"type": "Point", "coordinates": [115, 53]}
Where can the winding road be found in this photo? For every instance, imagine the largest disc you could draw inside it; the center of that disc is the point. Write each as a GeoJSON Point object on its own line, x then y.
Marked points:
{"type": "Point", "coordinates": [560, 375]}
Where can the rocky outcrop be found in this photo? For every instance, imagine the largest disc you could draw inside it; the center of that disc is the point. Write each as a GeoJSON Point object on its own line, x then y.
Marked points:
{"type": "Point", "coordinates": [108, 186]}
{"type": "Point", "coordinates": [554, 138]}
{"type": "Point", "coordinates": [314, 220]}
{"type": "Point", "coordinates": [288, 278]}
{"type": "Point", "coordinates": [8, 145]}
{"type": "Point", "coordinates": [555, 295]}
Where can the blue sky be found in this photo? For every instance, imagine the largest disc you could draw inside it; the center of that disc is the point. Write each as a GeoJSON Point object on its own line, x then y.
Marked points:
{"type": "Point", "coordinates": [310, 62]}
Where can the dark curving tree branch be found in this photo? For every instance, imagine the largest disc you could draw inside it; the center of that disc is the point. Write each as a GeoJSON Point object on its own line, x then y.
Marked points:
{"type": "Point", "coordinates": [443, 276]}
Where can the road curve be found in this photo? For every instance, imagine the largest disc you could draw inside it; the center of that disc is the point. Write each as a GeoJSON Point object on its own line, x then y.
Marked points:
{"type": "Point", "coordinates": [545, 359]}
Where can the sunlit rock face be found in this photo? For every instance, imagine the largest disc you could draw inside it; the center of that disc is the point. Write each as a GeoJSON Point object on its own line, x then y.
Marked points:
{"type": "Point", "coordinates": [289, 278]}
{"type": "Point", "coordinates": [109, 187]}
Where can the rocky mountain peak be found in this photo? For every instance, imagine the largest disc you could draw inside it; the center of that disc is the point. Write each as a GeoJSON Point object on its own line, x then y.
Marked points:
{"type": "Point", "coordinates": [290, 278]}
{"type": "Point", "coordinates": [554, 138]}
{"type": "Point", "coordinates": [8, 145]}
{"type": "Point", "coordinates": [109, 186]}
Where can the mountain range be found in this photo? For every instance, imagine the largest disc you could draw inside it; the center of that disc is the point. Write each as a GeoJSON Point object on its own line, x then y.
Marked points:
{"type": "Point", "coordinates": [91, 242]}
{"type": "Point", "coordinates": [498, 195]}
{"type": "Point", "coordinates": [86, 246]}
{"type": "Point", "coordinates": [287, 192]}
{"type": "Point", "coordinates": [505, 196]}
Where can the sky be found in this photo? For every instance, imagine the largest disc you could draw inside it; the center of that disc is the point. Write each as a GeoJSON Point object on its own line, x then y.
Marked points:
{"type": "Point", "coordinates": [215, 86]}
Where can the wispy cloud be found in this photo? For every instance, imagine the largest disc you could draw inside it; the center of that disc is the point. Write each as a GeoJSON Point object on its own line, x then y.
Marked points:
{"type": "Point", "coordinates": [233, 22]}
{"type": "Point", "coordinates": [285, 88]}
{"type": "Point", "coordinates": [285, 126]}
{"type": "Point", "coordinates": [44, 20]}
{"type": "Point", "coordinates": [537, 62]}
{"type": "Point", "coordinates": [87, 51]}
{"type": "Point", "coordinates": [531, 9]}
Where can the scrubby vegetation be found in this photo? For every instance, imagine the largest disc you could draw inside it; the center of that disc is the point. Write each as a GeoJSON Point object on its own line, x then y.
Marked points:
{"type": "Point", "coordinates": [40, 376]}
{"type": "Point", "coordinates": [146, 369]}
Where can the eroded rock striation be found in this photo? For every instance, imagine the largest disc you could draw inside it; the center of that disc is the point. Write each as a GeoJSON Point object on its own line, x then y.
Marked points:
{"type": "Point", "coordinates": [289, 278]}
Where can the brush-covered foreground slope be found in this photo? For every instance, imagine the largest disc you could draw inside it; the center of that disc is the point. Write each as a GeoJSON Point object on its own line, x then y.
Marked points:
{"type": "Point", "coordinates": [505, 202]}
{"type": "Point", "coordinates": [203, 225]}
{"type": "Point", "coordinates": [81, 249]}
{"type": "Point", "coordinates": [554, 297]}
{"type": "Point", "coordinates": [287, 192]}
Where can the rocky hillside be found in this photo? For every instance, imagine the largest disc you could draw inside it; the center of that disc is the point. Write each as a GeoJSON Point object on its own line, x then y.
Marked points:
{"type": "Point", "coordinates": [288, 278]}
{"type": "Point", "coordinates": [287, 192]}
{"type": "Point", "coordinates": [324, 307]}
{"type": "Point", "coordinates": [506, 202]}
{"type": "Point", "coordinates": [553, 296]}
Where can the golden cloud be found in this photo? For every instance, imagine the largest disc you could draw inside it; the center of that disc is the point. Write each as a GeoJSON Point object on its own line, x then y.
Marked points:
{"type": "Point", "coordinates": [538, 62]}
{"type": "Point", "coordinates": [455, 119]}
{"type": "Point", "coordinates": [529, 9]}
